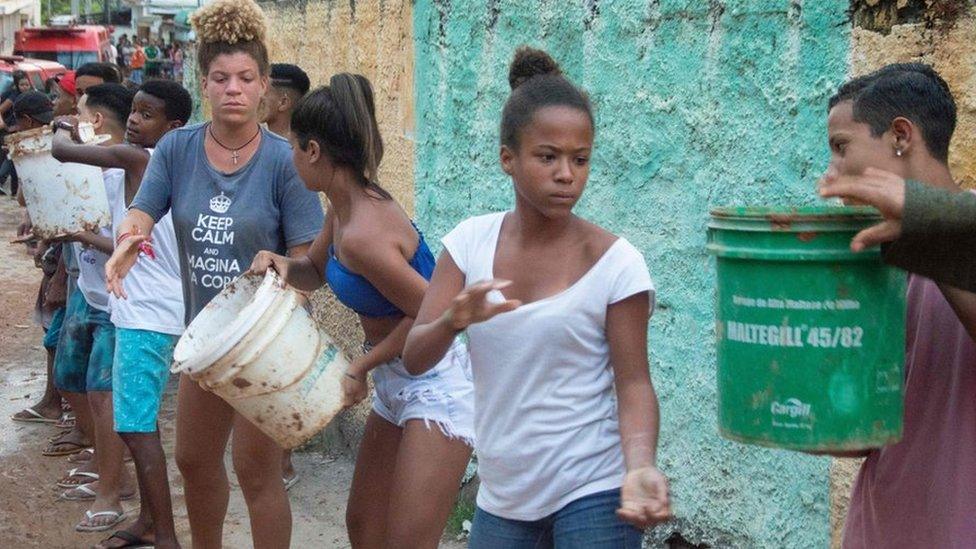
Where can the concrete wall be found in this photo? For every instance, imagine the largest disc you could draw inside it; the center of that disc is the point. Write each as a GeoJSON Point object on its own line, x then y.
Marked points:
{"type": "Point", "coordinates": [699, 104]}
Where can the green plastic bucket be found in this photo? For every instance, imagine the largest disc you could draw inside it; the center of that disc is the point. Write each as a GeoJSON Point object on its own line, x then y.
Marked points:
{"type": "Point", "coordinates": [810, 336]}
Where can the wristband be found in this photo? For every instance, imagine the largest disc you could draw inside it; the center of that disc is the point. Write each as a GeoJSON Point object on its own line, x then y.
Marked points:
{"type": "Point", "coordinates": [144, 246]}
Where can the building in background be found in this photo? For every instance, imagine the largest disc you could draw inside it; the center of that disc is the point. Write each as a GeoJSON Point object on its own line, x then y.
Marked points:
{"type": "Point", "coordinates": [15, 14]}
{"type": "Point", "coordinates": [162, 19]}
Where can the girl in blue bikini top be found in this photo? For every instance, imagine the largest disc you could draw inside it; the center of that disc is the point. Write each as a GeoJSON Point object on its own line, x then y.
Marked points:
{"type": "Point", "coordinates": [378, 264]}
{"type": "Point", "coordinates": [356, 292]}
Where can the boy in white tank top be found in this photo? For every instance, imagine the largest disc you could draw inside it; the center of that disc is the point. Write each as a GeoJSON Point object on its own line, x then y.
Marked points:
{"type": "Point", "coordinates": [149, 320]}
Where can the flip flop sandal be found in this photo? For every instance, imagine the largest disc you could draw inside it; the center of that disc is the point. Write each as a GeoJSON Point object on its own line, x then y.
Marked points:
{"type": "Point", "coordinates": [88, 494]}
{"type": "Point", "coordinates": [89, 516]}
{"type": "Point", "coordinates": [131, 540]}
{"type": "Point", "coordinates": [73, 448]}
{"type": "Point", "coordinates": [79, 493]}
{"type": "Point", "coordinates": [66, 421]}
{"type": "Point", "coordinates": [289, 482]}
{"type": "Point", "coordinates": [83, 456]}
{"type": "Point", "coordinates": [59, 435]}
{"type": "Point", "coordinates": [87, 476]}
{"type": "Point", "coordinates": [33, 416]}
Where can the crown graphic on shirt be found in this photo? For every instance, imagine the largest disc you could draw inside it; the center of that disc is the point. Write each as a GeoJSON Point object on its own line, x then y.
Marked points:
{"type": "Point", "coordinates": [220, 203]}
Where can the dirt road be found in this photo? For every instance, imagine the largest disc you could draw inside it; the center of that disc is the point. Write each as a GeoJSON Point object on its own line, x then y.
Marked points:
{"type": "Point", "coordinates": [31, 515]}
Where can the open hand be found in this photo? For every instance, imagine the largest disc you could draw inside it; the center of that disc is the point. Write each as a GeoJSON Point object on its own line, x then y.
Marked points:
{"type": "Point", "coordinates": [883, 190]}
{"type": "Point", "coordinates": [644, 498]}
{"type": "Point", "coordinates": [471, 306]}
{"type": "Point", "coordinates": [125, 256]}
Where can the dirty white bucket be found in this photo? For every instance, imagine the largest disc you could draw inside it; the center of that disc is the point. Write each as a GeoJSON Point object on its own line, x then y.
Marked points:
{"type": "Point", "coordinates": [257, 347]}
{"type": "Point", "coordinates": [62, 198]}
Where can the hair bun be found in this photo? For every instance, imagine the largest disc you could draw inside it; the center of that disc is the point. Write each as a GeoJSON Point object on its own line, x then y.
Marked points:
{"type": "Point", "coordinates": [529, 62]}
{"type": "Point", "coordinates": [230, 21]}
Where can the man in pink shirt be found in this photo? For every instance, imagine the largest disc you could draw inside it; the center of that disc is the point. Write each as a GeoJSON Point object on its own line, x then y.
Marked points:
{"type": "Point", "coordinates": [921, 492]}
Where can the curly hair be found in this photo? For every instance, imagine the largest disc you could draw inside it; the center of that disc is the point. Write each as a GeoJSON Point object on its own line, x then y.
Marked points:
{"type": "Point", "coordinates": [231, 26]}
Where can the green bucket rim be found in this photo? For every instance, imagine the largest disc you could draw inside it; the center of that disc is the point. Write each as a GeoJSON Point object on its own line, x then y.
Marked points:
{"type": "Point", "coordinates": [797, 214]}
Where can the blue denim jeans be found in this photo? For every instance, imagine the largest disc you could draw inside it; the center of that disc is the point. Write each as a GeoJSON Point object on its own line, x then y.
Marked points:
{"type": "Point", "coordinates": [590, 522]}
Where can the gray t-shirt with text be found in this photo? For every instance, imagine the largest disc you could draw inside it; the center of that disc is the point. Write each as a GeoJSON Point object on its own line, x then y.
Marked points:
{"type": "Point", "coordinates": [223, 220]}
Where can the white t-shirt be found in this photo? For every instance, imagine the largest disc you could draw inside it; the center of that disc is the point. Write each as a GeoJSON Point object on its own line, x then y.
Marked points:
{"type": "Point", "coordinates": [546, 428]}
{"type": "Point", "coordinates": [91, 262]}
{"type": "Point", "coordinates": [154, 288]}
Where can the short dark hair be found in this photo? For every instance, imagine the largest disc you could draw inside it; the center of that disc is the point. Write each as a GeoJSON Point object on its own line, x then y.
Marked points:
{"type": "Point", "coordinates": [286, 75]}
{"type": "Point", "coordinates": [537, 81]}
{"type": "Point", "coordinates": [113, 98]}
{"type": "Point", "coordinates": [911, 90]}
{"type": "Point", "coordinates": [179, 104]}
{"type": "Point", "coordinates": [108, 72]}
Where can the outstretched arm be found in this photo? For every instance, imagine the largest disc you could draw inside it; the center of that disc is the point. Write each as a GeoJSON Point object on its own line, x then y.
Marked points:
{"type": "Point", "coordinates": [127, 157]}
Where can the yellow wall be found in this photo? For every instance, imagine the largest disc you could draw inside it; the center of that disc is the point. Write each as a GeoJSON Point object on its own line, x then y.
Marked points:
{"type": "Point", "coordinates": [325, 38]}
{"type": "Point", "coordinates": [953, 53]}
{"type": "Point", "coordinates": [376, 40]}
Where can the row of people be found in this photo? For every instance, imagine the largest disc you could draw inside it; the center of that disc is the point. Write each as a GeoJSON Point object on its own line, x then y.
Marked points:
{"type": "Point", "coordinates": [551, 382]}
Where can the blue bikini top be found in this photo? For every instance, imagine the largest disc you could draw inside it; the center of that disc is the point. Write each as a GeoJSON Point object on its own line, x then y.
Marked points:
{"type": "Point", "coordinates": [357, 293]}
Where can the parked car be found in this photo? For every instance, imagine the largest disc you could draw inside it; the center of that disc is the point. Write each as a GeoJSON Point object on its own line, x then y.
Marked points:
{"type": "Point", "coordinates": [38, 70]}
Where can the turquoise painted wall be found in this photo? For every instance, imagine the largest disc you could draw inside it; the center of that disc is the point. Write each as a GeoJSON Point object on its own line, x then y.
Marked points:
{"type": "Point", "coordinates": [699, 104]}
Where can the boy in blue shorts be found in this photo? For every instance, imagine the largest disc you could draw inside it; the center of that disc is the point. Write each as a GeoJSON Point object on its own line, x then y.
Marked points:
{"type": "Point", "coordinates": [83, 366]}
{"type": "Point", "coordinates": [149, 321]}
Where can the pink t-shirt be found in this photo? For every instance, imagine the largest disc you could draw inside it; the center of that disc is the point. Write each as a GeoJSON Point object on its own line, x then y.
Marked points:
{"type": "Point", "coordinates": [921, 492]}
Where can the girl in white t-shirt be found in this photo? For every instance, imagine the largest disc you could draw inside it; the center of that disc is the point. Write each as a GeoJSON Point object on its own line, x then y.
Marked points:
{"type": "Point", "coordinates": [556, 311]}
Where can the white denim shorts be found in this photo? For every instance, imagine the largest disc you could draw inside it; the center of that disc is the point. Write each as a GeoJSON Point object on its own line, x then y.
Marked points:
{"type": "Point", "coordinates": [444, 395]}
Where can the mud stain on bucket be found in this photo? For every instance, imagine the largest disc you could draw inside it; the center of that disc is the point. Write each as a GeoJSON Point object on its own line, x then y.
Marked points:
{"type": "Point", "coordinates": [241, 383]}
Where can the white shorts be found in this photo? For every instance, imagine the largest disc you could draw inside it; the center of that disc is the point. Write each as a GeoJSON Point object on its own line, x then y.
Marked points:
{"type": "Point", "coordinates": [444, 395]}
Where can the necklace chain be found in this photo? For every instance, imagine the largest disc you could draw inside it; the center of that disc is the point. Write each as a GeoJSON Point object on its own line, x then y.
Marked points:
{"type": "Point", "coordinates": [234, 153]}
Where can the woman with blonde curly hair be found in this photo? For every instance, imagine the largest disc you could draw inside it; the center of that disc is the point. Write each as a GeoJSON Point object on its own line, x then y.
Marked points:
{"type": "Point", "coordinates": [233, 191]}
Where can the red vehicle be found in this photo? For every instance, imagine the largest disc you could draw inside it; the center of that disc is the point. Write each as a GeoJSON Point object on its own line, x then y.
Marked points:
{"type": "Point", "coordinates": [38, 70]}
{"type": "Point", "coordinates": [71, 46]}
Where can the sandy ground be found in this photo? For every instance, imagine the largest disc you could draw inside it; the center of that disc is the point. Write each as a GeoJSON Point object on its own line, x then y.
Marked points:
{"type": "Point", "coordinates": [31, 515]}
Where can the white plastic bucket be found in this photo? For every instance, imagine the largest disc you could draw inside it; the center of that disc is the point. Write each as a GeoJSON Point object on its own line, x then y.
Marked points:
{"type": "Point", "coordinates": [62, 198]}
{"type": "Point", "coordinates": [256, 346]}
